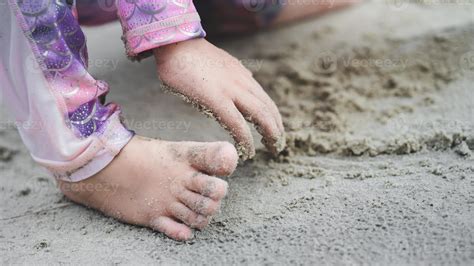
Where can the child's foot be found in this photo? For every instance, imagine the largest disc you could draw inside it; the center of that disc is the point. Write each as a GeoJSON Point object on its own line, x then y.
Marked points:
{"type": "Point", "coordinates": [167, 186]}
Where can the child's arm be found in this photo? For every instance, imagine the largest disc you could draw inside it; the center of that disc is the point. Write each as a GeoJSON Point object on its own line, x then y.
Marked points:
{"type": "Point", "coordinates": [200, 71]}
{"type": "Point", "coordinates": [153, 23]}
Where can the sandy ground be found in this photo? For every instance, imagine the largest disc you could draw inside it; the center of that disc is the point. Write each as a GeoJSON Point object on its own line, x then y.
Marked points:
{"type": "Point", "coordinates": [379, 104]}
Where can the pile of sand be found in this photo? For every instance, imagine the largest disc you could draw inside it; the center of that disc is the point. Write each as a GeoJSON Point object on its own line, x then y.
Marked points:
{"type": "Point", "coordinates": [329, 101]}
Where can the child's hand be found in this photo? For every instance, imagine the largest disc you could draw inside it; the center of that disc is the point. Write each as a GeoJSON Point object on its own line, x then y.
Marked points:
{"type": "Point", "coordinates": [215, 80]}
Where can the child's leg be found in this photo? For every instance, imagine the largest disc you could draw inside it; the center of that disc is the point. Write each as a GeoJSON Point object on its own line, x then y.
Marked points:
{"type": "Point", "coordinates": [227, 17]}
{"type": "Point", "coordinates": [68, 129]}
{"type": "Point", "coordinates": [296, 9]}
{"type": "Point", "coordinates": [96, 12]}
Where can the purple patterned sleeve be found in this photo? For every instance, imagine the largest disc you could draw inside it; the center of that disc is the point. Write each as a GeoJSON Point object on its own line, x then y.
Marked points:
{"type": "Point", "coordinates": [85, 133]}
{"type": "Point", "coordinates": [62, 50]}
{"type": "Point", "coordinates": [148, 24]}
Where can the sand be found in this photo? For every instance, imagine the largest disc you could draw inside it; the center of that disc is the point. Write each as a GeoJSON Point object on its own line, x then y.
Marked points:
{"type": "Point", "coordinates": [379, 169]}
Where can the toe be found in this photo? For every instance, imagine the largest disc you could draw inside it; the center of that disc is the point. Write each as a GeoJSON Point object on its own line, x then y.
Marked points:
{"type": "Point", "coordinates": [187, 216]}
{"type": "Point", "coordinates": [207, 186]}
{"type": "Point", "coordinates": [217, 158]}
{"type": "Point", "coordinates": [198, 203]}
{"type": "Point", "coordinates": [171, 228]}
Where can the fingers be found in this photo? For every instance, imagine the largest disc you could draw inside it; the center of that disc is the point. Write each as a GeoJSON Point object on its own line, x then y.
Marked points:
{"type": "Point", "coordinates": [207, 186]}
{"type": "Point", "coordinates": [198, 203]}
{"type": "Point", "coordinates": [260, 93]}
{"type": "Point", "coordinates": [259, 114]}
{"type": "Point", "coordinates": [217, 158]}
{"type": "Point", "coordinates": [171, 228]}
{"type": "Point", "coordinates": [187, 216]}
{"type": "Point", "coordinates": [228, 115]}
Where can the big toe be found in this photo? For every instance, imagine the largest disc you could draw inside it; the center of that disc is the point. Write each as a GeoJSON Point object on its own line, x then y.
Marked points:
{"type": "Point", "coordinates": [216, 158]}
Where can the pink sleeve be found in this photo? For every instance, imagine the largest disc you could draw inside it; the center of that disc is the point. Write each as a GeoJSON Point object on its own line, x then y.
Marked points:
{"type": "Point", "coordinates": [148, 24]}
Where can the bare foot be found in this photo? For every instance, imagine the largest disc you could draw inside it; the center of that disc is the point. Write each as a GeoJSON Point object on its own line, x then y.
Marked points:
{"type": "Point", "coordinates": [167, 186]}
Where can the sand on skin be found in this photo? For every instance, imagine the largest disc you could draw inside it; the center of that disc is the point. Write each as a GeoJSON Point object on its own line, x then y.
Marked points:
{"type": "Point", "coordinates": [386, 179]}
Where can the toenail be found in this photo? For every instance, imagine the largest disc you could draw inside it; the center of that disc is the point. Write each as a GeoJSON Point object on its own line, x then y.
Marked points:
{"type": "Point", "coordinates": [184, 236]}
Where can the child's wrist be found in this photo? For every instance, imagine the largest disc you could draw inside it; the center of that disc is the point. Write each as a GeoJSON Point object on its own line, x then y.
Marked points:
{"type": "Point", "coordinates": [165, 52]}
